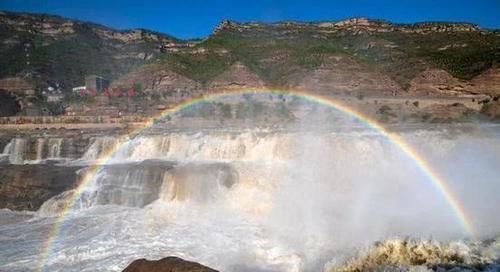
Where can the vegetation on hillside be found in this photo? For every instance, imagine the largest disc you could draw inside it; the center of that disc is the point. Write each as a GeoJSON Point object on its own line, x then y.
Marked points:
{"type": "Point", "coordinates": [67, 58]}
{"type": "Point", "coordinates": [275, 51]}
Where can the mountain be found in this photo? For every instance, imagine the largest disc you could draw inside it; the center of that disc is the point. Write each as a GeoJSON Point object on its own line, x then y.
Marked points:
{"type": "Point", "coordinates": [46, 48]}
{"type": "Point", "coordinates": [350, 56]}
{"type": "Point", "coordinates": [367, 51]}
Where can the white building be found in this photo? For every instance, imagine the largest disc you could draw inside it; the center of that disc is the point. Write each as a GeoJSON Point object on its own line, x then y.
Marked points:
{"type": "Point", "coordinates": [79, 88]}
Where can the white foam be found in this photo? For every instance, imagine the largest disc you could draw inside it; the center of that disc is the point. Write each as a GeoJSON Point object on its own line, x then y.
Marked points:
{"type": "Point", "coordinates": [291, 207]}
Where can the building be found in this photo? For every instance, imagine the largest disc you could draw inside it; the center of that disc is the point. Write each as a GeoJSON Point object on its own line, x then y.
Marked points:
{"type": "Point", "coordinates": [79, 89]}
{"type": "Point", "coordinates": [54, 97]}
{"type": "Point", "coordinates": [97, 83]}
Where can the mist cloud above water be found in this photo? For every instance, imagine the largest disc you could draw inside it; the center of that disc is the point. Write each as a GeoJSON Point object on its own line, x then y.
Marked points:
{"type": "Point", "coordinates": [270, 200]}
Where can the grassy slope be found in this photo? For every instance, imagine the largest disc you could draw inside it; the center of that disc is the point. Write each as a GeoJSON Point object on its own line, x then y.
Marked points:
{"type": "Point", "coordinates": [272, 51]}
{"type": "Point", "coordinates": [275, 51]}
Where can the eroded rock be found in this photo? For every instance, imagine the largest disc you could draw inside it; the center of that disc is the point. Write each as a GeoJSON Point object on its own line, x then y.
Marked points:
{"type": "Point", "coordinates": [27, 187]}
{"type": "Point", "coordinates": [168, 264]}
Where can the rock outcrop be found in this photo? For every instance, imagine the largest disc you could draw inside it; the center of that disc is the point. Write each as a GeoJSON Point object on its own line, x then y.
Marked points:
{"type": "Point", "coordinates": [56, 26]}
{"type": "Point", "coordinates": [355, 25]}
{"type": "Point", "coordinates": [27, 187]}
{"type": "Point", "coordinates": [362, 56]}
{"type": "Point", "coordinates": [96, 49]}
{"type": "Point", "coordinates": [48, 25]}
{"type": "Point", "coordinates": [158, 79]}
{"type": "Point", "coordinates": [455, 112]}
{"type": "Point", "coordinates": [9, 105]}
{"type": "Point", "coordinates": [168, 264]}
{"type": "Point", "coordinates": [487, 82]}
{"type": "Point", "coordinates": [235, 77]}
{"type": "Point", "coordinates": [492, 110]}
{"type": "Point", "coordinates": [343, 75]}
{"type": "Point", "coordinates": [15, 84]}
{"type": "Point", "coordinates": [436, 82]}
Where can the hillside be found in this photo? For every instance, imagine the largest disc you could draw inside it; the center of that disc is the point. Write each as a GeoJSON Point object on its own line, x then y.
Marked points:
{"type": "Point", "coordinates": [401, 52]}
{"type": "Point", "coordinates": [51, 48]}
{"type": "Point", "coordinates": [356, 57]}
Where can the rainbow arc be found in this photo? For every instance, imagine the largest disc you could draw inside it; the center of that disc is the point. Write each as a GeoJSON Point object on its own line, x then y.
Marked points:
{"type": "Point", "coordinates": [433, 176]}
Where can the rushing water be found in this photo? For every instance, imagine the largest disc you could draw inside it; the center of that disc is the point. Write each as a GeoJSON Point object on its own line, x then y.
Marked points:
{"type": "Point", "coordinates": [17, 151]}
{"type": "Point", "coordinates": [258, 200]}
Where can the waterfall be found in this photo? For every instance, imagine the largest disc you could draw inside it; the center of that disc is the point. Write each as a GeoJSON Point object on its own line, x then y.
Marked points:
{"type": "Point", "coordinates": [198, 147]}
{"type": "Point", "coordinates": [97, 146]}
{"type": "Point", "coordinates": [137, 185]}
{"type": "Point", "coordinates": [16, 150]}
{"type": "Point", "coordinates": [224, 146]}
{"type": "Point", "coordinates": [133, 185]}
{"type": "Point", "coordinates": [20, 150]}
{"type": "Point", "coordinates": [197, 182]}
{"type": "Point", "coordinates": [56, 204]}
{"type": "Point", "coordinates": [40, 143]}
{"type": "Point", "coordinates": [54, 148]}
{"type": "Point", "coordinates": [6, 151]}
{"type": "Point", "coordinates": [8, 146]}
{"type": "Point", "coordinates": [284, 200]}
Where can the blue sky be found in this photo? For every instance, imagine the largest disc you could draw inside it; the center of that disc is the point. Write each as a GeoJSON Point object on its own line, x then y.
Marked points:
{"type": "Point", "coordinates": [190, 19]}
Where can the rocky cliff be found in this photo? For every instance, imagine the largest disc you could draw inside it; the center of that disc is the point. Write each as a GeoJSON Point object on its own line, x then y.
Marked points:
{"type": "Point", "coordinates": [437, 82]}
{"type": "Point", "coordinates": [349, 56]}
{"type": "Point", "coordinates": [56, 49]}
{"type": "Point", "coordinates": [487, 82]}
{"type": "Point", "coordinates": [154, 79]}
{"type": "Point", "coordinates": [236, 76]}
{"type": "Point", "coordinates": [342, 74]}
{"type": "Point", "coordinates": [27, 187]}
{"type": "Point", "coordinates": [356, 25]}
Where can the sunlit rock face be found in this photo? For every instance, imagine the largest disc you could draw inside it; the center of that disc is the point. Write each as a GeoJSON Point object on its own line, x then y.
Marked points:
{"type": "Point", "coordinates": [344, 75]}
{"type": "Point", "coordinates": [236, 76]}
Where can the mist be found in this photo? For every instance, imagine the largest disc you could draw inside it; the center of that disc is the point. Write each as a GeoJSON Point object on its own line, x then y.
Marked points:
{"type": "Point", "coordinates": [295, 197]}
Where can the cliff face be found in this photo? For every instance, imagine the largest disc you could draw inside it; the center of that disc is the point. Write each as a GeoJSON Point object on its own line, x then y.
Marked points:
{"type": "Point", "coordinates": [343, 75]}
{"type": "Point", "coordinates": [352, 56]}
{"type": "Point", "coordinates": [236, 76]}
{"type": "Point", "coordinates": [27, 187]}
{"type": "Point", "coordinates": [348, 56]}
{"type": "Point", "coordinates": [51, 48]}
{"type": "Point", "coordinates": [487, 82]}
{"type": "Point", "coordinates": [437, 82]}
{"type": "Point", "coordinates": [29, 174]}
{"type": "Point", "coordinates": [159, 81]}
{"type": "Point", "coordinates": [357, 25]}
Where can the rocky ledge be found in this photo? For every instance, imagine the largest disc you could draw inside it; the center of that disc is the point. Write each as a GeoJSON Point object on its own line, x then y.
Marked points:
{"type": "Point", "coordinates": [27, 187]}
{"type": "Point", "coordinates": [168, 264]}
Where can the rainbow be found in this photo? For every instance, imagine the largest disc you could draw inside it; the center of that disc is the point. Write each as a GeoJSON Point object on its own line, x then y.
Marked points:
{"type": "Point", "coordinates": [437, 181]}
